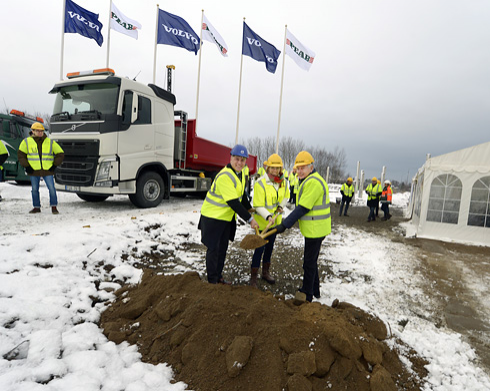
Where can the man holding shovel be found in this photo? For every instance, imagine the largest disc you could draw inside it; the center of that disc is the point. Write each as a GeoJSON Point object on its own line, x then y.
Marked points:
{"type": "Point", "coordinates": [313, 213]}
{"type": "Point", "coordinates": [223, 202]}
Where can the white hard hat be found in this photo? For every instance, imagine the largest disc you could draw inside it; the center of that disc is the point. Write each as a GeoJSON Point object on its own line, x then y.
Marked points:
{"type": "Point", "coordinates": [387, 182]}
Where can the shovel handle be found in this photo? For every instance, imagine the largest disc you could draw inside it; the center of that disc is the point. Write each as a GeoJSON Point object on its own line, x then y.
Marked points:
{"type": "Point", "coordinates": [257, 230]}
{"type": "Point", "coordinates": [269, 233]}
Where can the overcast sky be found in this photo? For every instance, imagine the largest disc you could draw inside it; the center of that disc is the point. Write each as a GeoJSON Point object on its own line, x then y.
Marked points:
{"type": "Point", "coordinates": [391, 81]}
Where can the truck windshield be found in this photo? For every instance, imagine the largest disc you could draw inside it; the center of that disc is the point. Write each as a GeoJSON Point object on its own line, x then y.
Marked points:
{"type": "Point", "coordinates": [85, 102]}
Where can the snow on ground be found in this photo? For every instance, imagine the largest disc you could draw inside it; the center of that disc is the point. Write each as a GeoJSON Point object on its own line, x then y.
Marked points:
{"type": "Point", "coordinates": [49, 301]}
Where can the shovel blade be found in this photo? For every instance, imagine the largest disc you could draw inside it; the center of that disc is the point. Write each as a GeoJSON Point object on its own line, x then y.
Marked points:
{"type": "Point", "coordinates": [251, 242]}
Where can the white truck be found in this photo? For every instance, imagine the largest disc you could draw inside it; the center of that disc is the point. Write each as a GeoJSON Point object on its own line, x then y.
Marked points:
{"type": "Point", "coordinates": [121, 137]}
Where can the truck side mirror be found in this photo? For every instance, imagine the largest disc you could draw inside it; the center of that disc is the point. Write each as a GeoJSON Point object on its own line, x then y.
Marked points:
{"type": "Point", "coordinates": [134, 109]}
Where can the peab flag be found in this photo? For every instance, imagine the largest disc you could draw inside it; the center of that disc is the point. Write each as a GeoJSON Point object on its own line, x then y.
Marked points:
{"type": "Point", "coordinates": [210, 34]}
{"type": "Point", "coordinates": [175, 31]}
{"type": "Point", "coordinates": [298, 52]}
{"type": "Point", "coordinates": [259, 49]}
{"type": "Point", "coordinates": [80, 21]}
{"type": "Point", "coordinates": [123, 24]}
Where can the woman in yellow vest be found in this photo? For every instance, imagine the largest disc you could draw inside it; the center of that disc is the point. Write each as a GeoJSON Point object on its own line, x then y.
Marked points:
{"type": "Point", "coordinates": [271, 194]}
{"type": "Point", "coordinates": [385, 199]}
{"type": "Point", "coordinates": [223, 202]}
{"type": "Point", "coordinates": [313, 212]}
{"type": "Point", "coordinates": [40, 155]}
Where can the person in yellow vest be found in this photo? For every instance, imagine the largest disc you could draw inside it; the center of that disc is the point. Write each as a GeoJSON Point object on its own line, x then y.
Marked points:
{"type": "Point", "coordinates": [293, 186]}
{"type": "Point", "coordinates": [4, 154]}
{"type": "Point", "coordinates": [386, 197]}
{"type": "Point", "coordinates": [313, 213]}
{"type": "Point", "coordinates": [373, 191]}
{"type": "Point", "coordinates": [223, 202]}
{"type": "Point", "coordinates": [261, 172]}
{"type": "Point", "coordinates": [271, 194]}
{"type": "Point", "coordinates": [347, 191]}
{"type": "Point", "coordinates": [246, 173]}
{"type": "Point", "coordinates": [40, 156]}
{"type": "Point", "coordinates": [379, 195]}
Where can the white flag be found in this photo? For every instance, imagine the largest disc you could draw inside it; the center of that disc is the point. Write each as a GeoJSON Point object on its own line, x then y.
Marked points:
{"type": "Point", "coordinates": [123, 24]}
{"type": "Point", "coordinates": [210, 34]}
{"type": "Point", "coordinates": [298, 52]}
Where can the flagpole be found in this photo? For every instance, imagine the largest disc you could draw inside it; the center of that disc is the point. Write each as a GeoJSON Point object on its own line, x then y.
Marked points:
{"type": "Point", "coordinates": [155, 50]}
{"type": "Point", "coordinates": [239, 94]}
{"type": "Point", "coordinates": [199, 67]}
{"type": "Point", "coordinates": [62, 39]}
{"type": "Point", "coordinates": [282, 83]}
{"type": "Point", "coordinates": [109, 33]}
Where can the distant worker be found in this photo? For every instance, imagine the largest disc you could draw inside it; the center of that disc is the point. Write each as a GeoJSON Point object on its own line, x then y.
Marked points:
{"type": "Point", "coordinates": [373, 191]}
{"type": "Point", "coordinates": [271, 195]}
{"type": "Point", "coordinates": [377, 201]}
{"type": "Point", "coordinates": [293, 186]}
{"type": "Point", "coordinates": [386, 197]}
{"type": "Point", "coordinates": [40, 156]}
{"type": "Point", "coordinates": [246, 173]}
{"type": "Point", "coordinates": [262, 169]}
{"type": "Point", "coordinates": [218, 213]}
{"type": "Point", "coordinates": [4, 154]}
{"type": "Point", "coordinates": [347, 191]}
{"type": "Point", "coordinates": [313, 213]}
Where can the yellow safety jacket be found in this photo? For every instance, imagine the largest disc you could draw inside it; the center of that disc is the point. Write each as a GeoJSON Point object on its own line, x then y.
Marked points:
{"type": "Point", "coordinates": [373, 191]}
{"type": "Point", "coordinates": [3, 151]}
{"type": "Point", "coordinates": [49, 149]}
{"type": "Point", "coordinates": [261, 171]}
{"type": "Point", "coordinates": [226, 186]}
{"type": "Point", "coordinates": [266, 196]}
{"type": "Point", "coordinates": [347, 190]}
{"type": "Point", "coordinates": [313, 195]}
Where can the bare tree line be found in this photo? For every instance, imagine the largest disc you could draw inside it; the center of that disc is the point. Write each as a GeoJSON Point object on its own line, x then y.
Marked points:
{"type": "Point", "coordinates": [336, 160]}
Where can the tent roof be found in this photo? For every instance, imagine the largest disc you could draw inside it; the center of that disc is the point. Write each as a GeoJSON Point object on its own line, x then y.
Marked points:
{"type": "Point", "coordinates": [476, 158]}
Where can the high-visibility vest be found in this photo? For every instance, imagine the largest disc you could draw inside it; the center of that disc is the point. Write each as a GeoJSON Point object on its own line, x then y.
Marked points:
{"type": "Point", "coordinates": [387, 195]}
{"type": "Point", "coordinates": [49, 149]}
{"type": "Point", "coordinates": [226, 186]}
{"type": "Point", "coordinates": [246, 172]}
{"type": "Point", "coordinates": [261, 171]}
{"type": "Point", "coordinates": [3, 151]}
{"type": "Point", "coordinates": [347, 189]}
{"type": "Point", "coordinates": [373, 190]}
{"type": "Point", "coordinates": [266, 196]}
{"type": "Point", "coordinates": [313, 195]}
{"type": "Point", "coordinates": [294, 182]}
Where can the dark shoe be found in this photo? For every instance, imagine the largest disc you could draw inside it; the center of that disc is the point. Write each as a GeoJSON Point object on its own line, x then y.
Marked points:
{"type": "Point", "coordinates": [265, 273]}
{"type": "Point", "coordinates": [299, 298]}
{"type": "Point", "coordinates": [223, 281]}
{"type": "Point", "coordinates": [0, 198]}
{"type": "Point", "coordinates": [253, 278]}
{"type": "Point", "coordinates": [346, 215]}
{"type": "Point", "coordinates": [389, 216]}
{"type": "Point", "coordinates": [317, 295]}
{"type": "Point", "coordinates": [54, 210]}
{"type": "Point", "coordinates": [35, 210]}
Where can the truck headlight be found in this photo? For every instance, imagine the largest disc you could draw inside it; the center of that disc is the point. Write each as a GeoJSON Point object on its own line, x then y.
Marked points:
{"type": "Point", "coordinates": [104, 171]}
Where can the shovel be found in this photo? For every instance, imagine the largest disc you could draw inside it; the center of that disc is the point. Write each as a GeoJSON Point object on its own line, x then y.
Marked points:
{"type": "Point", "coordinates": [251, 241]}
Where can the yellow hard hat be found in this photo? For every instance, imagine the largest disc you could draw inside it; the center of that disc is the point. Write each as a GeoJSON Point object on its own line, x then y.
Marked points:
{"type": "Point", "coordinates": [349, 179]}
{"type": "Point", "coordinates": [274, 161]}
{"type": "Point", "coordinates": [374, 179]}
{"type": "Point", "coordinates": [303, 159]}
{"type": "Point", "coordinates": [379, 182]}
{"type": "Point", "coordinates": [37, 126]}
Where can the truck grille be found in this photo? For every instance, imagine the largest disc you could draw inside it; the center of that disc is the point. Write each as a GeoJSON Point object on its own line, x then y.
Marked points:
{"type": "Point", "coordinates": [80, 163]}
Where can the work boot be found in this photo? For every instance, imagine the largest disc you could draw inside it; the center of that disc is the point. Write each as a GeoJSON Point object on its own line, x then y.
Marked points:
{"type": "Point", "coordinates": [35, 210]}
{"type": "Point", "coordinates": [54, 210]}
{"type": "Point", "coordinates": [253, 277]}
{"type": "Point", "coordinates": [223, 281]}
{"type": "Point", "coordinates": [265, 273]}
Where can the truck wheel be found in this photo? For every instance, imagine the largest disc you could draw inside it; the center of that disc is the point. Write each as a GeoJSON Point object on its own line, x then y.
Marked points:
{"type": "Point", "coordinates": [92, 197]}
{"type": "Point", "coordinates": [149, 190]}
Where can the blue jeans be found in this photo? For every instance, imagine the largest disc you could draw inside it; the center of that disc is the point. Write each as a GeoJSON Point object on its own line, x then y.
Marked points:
{"type": "Point", "coordinates": [49, 180]}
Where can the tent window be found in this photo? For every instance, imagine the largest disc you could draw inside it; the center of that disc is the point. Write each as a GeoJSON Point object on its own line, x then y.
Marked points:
{"type": "Point", "coordinates": [479, 214]}
{"type": "Point", "coordinates": [445, 199]}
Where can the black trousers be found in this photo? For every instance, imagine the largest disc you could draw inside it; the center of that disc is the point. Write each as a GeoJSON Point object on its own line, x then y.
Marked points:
{"type": "Point", "coordinates": [311, 279]}
{"type": "Point", "coordinates": [215, 235]}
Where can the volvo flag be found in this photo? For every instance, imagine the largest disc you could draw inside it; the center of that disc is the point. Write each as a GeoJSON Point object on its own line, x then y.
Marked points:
{"type": "Point", "coordinates": [259, 49]}
{"type": "Point", "coordinates": [298, 52]}
{"type": "Point", "coordinates": [175, 31]}
{"type": "Point", "coordinates": [80, 21]}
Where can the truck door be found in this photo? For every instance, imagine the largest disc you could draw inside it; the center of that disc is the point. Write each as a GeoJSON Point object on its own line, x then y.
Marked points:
{"type": "Point", "coordinates": [12, 134]}
{"type": "Point", "coordinates": [136, 144]}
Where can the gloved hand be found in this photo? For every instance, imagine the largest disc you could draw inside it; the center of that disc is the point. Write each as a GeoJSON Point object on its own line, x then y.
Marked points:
{"type": "Point", "coordinates": [280, 228]}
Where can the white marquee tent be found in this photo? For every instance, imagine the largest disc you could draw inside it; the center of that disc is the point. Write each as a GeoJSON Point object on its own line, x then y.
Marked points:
{"type": "Point", "coordinates": [450, 198]}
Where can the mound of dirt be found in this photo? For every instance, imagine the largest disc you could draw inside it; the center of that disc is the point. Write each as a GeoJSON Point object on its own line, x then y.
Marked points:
{"type": "Point", "coordinates": [219, 337]}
